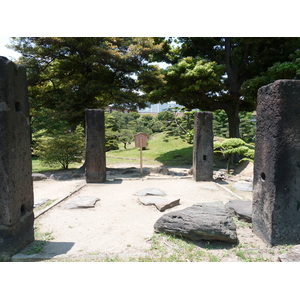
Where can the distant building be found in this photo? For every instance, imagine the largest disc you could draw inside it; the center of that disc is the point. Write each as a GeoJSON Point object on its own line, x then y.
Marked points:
{"type": "Point", "coordinates": [158, 107]}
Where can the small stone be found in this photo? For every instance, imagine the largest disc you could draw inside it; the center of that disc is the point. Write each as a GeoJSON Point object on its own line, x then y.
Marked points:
{"type": "Point", "coordinates": [243, 186]}
{"type": "Point", "coordinates": [242, 209]}
{"type": "Point", "coordinates": [293, 255]}
{"type": "Point", "coordinates": [60, 176]}
{"type": "Point", "coordinates": [82, 202]}
{"type": "Point", "coordinates": [151, 192]}
{"type": "Point", "coordinates": [161, 203]}
{"type": "Point", "coordinates": [38, 176]}
{"type": "Point", "coordinates": [40, 202]}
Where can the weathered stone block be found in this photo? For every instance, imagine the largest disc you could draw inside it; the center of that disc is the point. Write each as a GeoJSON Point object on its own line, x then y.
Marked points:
{"type": "Point", "coordinates": [16, 187]}
{"type": "Point", "coordinates": [203, 147]}
{"type": "Point", "coordinates": [202, 221]}
{"type": "Point", "coordinates": [276, 182]}
{"type": "Point", "coordinates": [95, 159]}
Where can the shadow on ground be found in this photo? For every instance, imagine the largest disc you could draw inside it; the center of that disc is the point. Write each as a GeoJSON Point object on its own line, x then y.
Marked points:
{"type": "Point", "coordinates": [41, 250]}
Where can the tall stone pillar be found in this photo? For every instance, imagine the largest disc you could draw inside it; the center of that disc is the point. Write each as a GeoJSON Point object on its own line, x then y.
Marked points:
{"type": "Point", "coordinates": [276, 182]}
{"type": "Point", "coordinates": [16, 187]}
{"type": "Point", "coordinates": [95, 159]}
{"type": "Point", "coordinates": [203, 147]}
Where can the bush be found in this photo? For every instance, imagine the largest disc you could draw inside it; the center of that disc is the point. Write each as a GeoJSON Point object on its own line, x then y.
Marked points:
{"type": "Point", "coordinates": [234, 146]}
{"type": "Point", "coordinates": [62, 149]}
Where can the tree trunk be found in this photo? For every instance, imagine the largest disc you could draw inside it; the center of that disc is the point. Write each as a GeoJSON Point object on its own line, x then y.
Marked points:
{"type": "Point", "coordinates": [233, 121]}
{"type": "Point", "coordinates": [234, 129]}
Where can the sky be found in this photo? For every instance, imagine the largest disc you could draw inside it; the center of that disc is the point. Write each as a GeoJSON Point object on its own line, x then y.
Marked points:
{"type": "Point", "coordinates": [8, 53]}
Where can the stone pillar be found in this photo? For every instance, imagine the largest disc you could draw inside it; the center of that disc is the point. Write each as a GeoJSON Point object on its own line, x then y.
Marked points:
{"type": "Point", "coordinates": [16, 187]}
{"type": "Point", "coordinates": [203, 147]}
{"type": "Point", "coordinates": [95, 160]}
{"type": "Point", "coordinates": [276, 182]}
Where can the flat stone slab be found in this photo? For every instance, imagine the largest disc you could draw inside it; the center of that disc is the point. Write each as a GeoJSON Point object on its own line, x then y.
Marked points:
{"type": "Point", "coordinates": [38, 176]}
{"type": "Point", "coordinates": [40, 202]}
{"type": "Point", "coordinates": [243, 186]}
{"type": "Point", "coordinates": [150, 192]}
{"type": "Point", "coordinates": [161, 203]}
{"type": "Point", "coordinates": [293, 255]}
{"type": "Point", "coordinates": [82, 202]}
{"type": "Point", "coordinates": [242, 209]}
{"type": "Point", "coordinates": [202, 221]}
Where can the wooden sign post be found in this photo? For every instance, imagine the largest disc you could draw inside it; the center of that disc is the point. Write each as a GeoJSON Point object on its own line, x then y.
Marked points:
{"type": "Point", "coordinates": [140, 140]}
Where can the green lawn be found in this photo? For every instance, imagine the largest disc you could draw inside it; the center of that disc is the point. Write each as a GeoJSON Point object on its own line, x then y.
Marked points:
{"type": "Point", "coordinates": [161, 150]}
{"type": "Point", "coordinates": [39, 166]}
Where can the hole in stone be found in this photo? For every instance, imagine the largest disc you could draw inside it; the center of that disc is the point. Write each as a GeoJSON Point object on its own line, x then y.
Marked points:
{"type": "Point", "coordinates": [263, 176]}
{"type": "Point", "coordinates": [298, 206]}
{"type": "Point", "coordinates": [23, 209]}
{"type": "Point", "coordinates": [204, 157]}
{"type": "Point", "coordinates": [18, 106]}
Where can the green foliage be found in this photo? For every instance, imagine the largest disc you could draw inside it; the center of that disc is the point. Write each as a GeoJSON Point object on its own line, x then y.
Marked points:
{"type": "Point", "coordinates": [234, 146]}
{"type": "Point", "coordinates": [125, 136]}
{"type": "Point", "coordinates": [247, 127]}
{"type": "Point", "coordinates": [70, 74]}
{"type": "Point", "coordinates": [223, 73]}
{"type": "Point", "coordinates": [62, 149]}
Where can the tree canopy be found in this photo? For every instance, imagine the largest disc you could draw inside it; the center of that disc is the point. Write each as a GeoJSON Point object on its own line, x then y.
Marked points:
{"type": "Point", "coordinates": [211, 73]}
{"type": "Point", "coordinates": [69, 74]}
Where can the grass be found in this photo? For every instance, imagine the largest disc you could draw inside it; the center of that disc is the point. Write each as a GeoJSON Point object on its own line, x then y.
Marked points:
{"type": "Point", "coordinates": [161, 149]}
{"type": "Point", "coordinates": [38, 166]}
{"type": "Point", "coordinates": [40, 241]}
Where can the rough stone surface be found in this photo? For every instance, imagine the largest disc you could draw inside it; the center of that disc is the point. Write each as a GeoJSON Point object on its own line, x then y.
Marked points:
{"type": "Point", "coordinates": [293, 255]}
{"type": "Point", "coordinates": [242, 209]}
{"type": "Point", "coordinates": [38, 176]}
{"type": "Point", "coordinates": [16, 186]}
{"type": "Point", "coordinates": [276, 181]}
{"type": "Point", "coordinates": [203, 147]}
{"type": "Point", "coordinates": [150, 192]}
{"type": "Point", "coordinates": [95, 159]}
{"type": "Point", "coordinates": [161, 203]}
{"type": "Point", "coordinates": [61, 176]}
{"type": "Point", "coordinates": [202, 221]}
{"type": "Point", "coordinates": [82, 202]}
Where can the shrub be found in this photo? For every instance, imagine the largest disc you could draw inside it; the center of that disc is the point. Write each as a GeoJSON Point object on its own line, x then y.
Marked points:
{"type": "Point", "coordinates": [62, 149]}
{"type": "Point", "coordinates": [234, 146]}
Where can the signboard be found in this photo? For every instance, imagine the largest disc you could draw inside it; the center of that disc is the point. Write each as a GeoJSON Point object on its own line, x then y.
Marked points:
{"type": "Point", "coordinates": [140, 140]}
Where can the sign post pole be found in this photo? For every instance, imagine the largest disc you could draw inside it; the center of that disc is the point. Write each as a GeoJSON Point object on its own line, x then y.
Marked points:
{"type": "Point", "coordinates": [140, 140]}
{"type": "Point", "coordinates": [141, 155]}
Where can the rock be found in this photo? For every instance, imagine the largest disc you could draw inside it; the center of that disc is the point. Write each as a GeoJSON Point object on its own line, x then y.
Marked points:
{"type": "Point", "coordinates": [293, 255]}
{"type": "Point", "coordinates": [150, 192]}
{"type": "Point", "coordinates": [242, 209]}
{"type": "Point", "coordinates": [60, 176]}
{"type": "Point", "coordinates": [38, 176]}
{"type": "Point", "coordinates": [243, 186]}
{"type": "Point", "coordinates": [220, 175]}
{"type": "Point", "coordinates": [202, 221]}
{"type": "Point", "coordinates": [161, 203]}
{"type": "Point", "coordinates": [82, 202]}
{"type": "Point", "coordinates": [160, 170]}
{"type": "Point", "coordinates": [39, 202]}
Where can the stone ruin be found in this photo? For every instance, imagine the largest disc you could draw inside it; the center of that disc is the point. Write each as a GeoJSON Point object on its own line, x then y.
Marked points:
{"type": "Point", "coordinates": [16, 187]}
{"type": "Point", "coordinates": [203, 147]}
{"type": "Point", "coordinates": [95, 159]}
{"type": "Point", "coordinates": [276, 181]}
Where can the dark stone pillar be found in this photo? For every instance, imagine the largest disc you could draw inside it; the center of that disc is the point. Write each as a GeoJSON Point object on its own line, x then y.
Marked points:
{"type": "Point", "coordinates": [16, 188]}
{"type": "Point", "coordinates": [203, 147]}
{"type": "Point", "coordinates": [95, 160]}
{"type": "Point", "coordinates": [276, 193]}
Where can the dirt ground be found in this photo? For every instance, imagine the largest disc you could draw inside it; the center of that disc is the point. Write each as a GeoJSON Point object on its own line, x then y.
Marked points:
{"type": "Point", "coordinates": [118, 224]}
